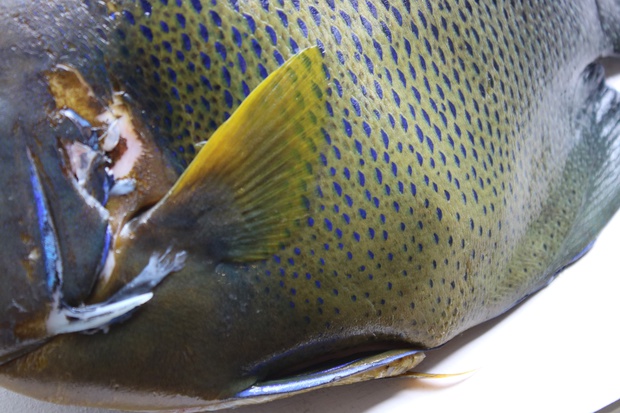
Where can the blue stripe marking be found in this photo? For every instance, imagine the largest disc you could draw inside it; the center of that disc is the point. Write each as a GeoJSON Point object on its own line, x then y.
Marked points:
{"type": "Point", "coordinates": [51, 256]}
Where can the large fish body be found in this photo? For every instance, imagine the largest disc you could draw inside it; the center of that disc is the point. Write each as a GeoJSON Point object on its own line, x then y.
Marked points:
{"type": "Point", "coordinates": [413, 169]}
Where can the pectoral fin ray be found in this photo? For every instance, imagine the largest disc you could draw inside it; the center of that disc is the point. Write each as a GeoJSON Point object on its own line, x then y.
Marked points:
{"type": "Point", "coordinates": [248, 187]}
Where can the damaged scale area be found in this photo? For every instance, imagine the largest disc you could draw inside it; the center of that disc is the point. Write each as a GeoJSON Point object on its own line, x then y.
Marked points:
{"type": "Point", "coordinates": [119, 167]}
{"type": "Point", "coordinates": [104, 169]}
{"type": "Point", "coordinates": [113, 153]}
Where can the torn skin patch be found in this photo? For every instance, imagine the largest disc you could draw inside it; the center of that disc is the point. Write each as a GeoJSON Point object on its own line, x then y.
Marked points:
{"type": "Point", "coordinates": [71, 91]}
{"type": "Point", "coordinates": [111, 131]}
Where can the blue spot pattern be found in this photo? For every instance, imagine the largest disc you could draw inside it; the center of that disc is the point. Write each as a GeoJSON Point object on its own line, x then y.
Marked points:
{"type": "Point", "coordinates": [420, 155]}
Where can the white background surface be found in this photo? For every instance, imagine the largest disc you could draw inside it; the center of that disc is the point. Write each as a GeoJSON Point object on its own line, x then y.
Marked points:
{"type": "Point", "coordinates": [557, 352]}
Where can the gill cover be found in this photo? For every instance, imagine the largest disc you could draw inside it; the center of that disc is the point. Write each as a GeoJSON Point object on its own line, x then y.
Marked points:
{"type": "Point", "coordinates": [45, 215]}
{"type": "Point", "coordinates": [54, 183]}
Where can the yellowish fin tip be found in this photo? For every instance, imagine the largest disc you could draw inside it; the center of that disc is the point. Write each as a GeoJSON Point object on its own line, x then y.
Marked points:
{"type": "Point", "coordinates": [249, 185]}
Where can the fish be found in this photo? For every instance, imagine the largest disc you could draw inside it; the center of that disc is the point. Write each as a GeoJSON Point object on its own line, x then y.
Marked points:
{"type": "Point", "coordinates": [264, 198]}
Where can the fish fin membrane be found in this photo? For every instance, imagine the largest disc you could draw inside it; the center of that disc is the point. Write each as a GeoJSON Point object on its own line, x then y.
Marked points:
{"type": "Point", "coordinates": [583, 199]}
{"type": "Point", "coordinates": [391, 363]}
{"type": "Point", "coordinates": [249, 186]}
{"type": "Point", "coordinates": [599, 147]}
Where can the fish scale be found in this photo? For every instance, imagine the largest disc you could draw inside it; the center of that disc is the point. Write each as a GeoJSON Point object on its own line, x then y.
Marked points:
{"type": "Point", "coordinates": [422, 163]}
{"type": "Point", "coordinates": [462, 148]}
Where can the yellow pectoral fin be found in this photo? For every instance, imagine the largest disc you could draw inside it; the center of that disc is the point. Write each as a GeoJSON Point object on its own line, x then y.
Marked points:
{"type": "Point", "coordinates": [249, 185]}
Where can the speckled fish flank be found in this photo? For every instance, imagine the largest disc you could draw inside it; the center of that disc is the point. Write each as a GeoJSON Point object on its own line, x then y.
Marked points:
{"type": "Point", "coordinates": [377, 177]}
{"type": "Point", "coordinates": [430, 180]}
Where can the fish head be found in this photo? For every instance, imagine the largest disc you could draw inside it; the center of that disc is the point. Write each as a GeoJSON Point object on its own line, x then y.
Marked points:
{"type": "Point", "coordinates": [45, 214]}
{"type": "Point", "coordinates": [64, 154]}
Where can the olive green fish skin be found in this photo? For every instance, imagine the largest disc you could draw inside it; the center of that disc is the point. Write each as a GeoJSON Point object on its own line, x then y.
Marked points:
{"type": "Point", "coordinates": [452, 124]}
{"type": "Point", "coordinates": [452, 174]}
